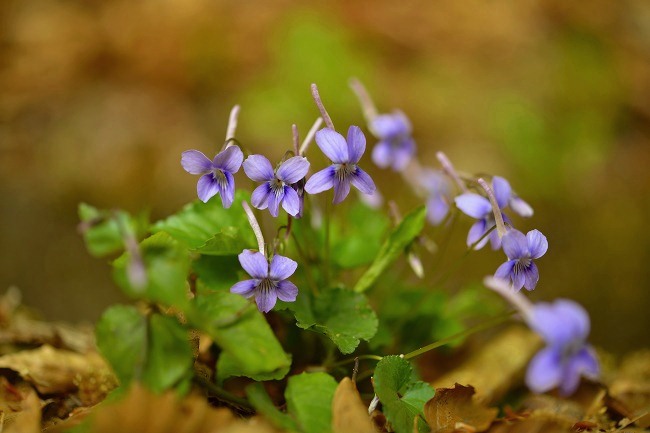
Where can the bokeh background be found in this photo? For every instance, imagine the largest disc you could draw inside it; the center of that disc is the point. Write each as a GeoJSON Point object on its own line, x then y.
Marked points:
{"type": "Point", "coordinates": [98, 98]}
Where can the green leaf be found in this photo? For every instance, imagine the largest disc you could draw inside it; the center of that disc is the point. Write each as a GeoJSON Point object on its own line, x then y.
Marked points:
{"type": "Point", "coordinates": [210, 229]}
{"type": "Point", "coordinates": [344, 316]}
{"type": "Point", "coordinates": [218, 273]}
{"type": "Point", "coordinates": [309, 399]}
{"type": "Point", "coordinates": [402, 397]}
{"type": "Point", "coordinates": [360, 239]}
{"type": "Point", "coordinates": [167, 264]}
{"type": "Point", "coordinates": [122, 339]}
{"type": "Point", "coordinates": [262, 403]}
{"type": "Point", "coordinates": [250, 347]}
{"type": "Point", "coordinates": [154, 350]}
{"type": "Point", "coordinates": [399, 239]}
{"type": "Point", "coordinates": [104, 235]}
{"type": "Point", "coordinates": [170, 359]}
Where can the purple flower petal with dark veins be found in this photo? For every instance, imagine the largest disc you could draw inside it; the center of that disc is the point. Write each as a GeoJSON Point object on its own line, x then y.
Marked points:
{"type": "Point", "coordinates": [270, 279]}
{"type": "Point", "coordinates": [345, 155]}
{"type": "Point", "coordinates": [520, 268]}
{"type": "Point", "coordinates": [217, 175]}
{"type": "Point", "coordinates": [276, 188]}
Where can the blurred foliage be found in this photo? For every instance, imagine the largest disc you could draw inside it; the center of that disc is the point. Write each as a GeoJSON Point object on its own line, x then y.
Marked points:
{"type": "Point", "coordinates": [99, 99]}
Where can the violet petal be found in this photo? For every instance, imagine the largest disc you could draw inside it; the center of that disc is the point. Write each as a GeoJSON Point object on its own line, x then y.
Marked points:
{"type": "Point", "coordinates": [333, 145]}
{"type": "Point", "coordinates": [515, 244]}
{"type": "Point", "coordinates": [544, 370]}
{"type": "Point", "coordinates": [245, 288]}
{"type": "Point", "coordinates": [473, 205]}
{"type": "Point", "coordinates": [291, 202]}
{"type": "Point", "coordinates": [258, 168]}
{"type": "Point", "coordinates": [321, 181]}
{"type": "Point", "coordinates": [362, 181]}
{"type": "Point", "coordinates": [229, 159]}
{"type": "Point", "coordinates": [537, 244]}
{"type": "Point", "coordinates": [195, 162]}
{"type": "Point", "coordinates": [281, 268]}
{"type": "Point", "coordinates": [260, 196]}
{"type": "Point", "coordinates": [502, 191]}
{"type": "Point", "coordinates": [254, 263]}
{"type": "Point", "coordinates": [293, 169]}
{"type": "Point", "coordinates": [356, 144]}
{"type": "Point", "coordinates": [207, 187]}
{"type": "Point", "coordinates": [287, 291]}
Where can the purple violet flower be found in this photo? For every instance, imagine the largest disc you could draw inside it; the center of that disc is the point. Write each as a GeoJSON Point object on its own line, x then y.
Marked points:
{"type": "Point", "coordinates": [396, 146]}
{"type": "Point", "coordinates": [519, 206]}
{"type": "Point", "coordinates": [521, 251]}
{"type": "Point", "coordinates": [479, 207]}
{"type": "Point", "coordinates": [345, 156]}
{"type": "Point", "coordinates": [276, 187]}
{"type": "Point", "coordinates": [217, 175]}
{"type": "Point", "coordinates": [269, 279]}
{"type": "Point", "coordinates": [437, 186]}
{"type": "Point", "coordinates": [564, 326]}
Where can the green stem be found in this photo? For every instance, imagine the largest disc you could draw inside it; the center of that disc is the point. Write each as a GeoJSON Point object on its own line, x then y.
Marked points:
{"type": "Point", "coordinates": [351, 360]}
{"type": "Point", "coordinates": [326, 261]}
{"type": "Point", "coordinates": [224, 395]}
{"type": "Point", "coordinates": [480, 327]}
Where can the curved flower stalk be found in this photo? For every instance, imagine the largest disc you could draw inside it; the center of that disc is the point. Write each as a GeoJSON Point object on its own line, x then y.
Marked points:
{"type": "Point", "coordinates": [396, 147]}
{"type": "Point", "coordinates": [521, 250]}
{"type": "Point", "coordinates": [479, 207]}
{"type": "Point", "coordinates": [276, 188]}
{"type": "Point", "coordinates": [269, 280]}
{"type": "Point", "coordinates": [216, 175]}
{"type": "Point", "coordinates": [345, 156]}
{"type": "Point", "coordinates": [564, 327]}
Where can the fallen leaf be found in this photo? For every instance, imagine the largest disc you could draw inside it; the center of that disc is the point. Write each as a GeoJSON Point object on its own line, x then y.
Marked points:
{"type": "Point", "coordinates": [142, 411]}
{"type": "Point", "coordinates": [349, 414]}
{"type": "Point", "coordinates": [497, 367]}
{"type": "Point", "coordinates": [455, 409]}
{"type": "Point", "coordinates": [53, 370]}
{"type": "Point", "coordinates": [20, 408]}
{"type": "Point", "coordinates": [631, 387]}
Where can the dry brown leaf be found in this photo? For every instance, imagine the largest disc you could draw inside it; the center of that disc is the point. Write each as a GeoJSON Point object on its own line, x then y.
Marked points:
{"type": "Point", "coordinates": [142, 411]}
{"type": "Point", "coordinates": [20, 408]}
{"type": "Point", "coordinates": [497, 367]}
{"type": "Point", "coordinates": [53, 370]}
{"type": "Point", "coordinates": [631, 386]}
{"type": "Point", "coordinates": [455, 409]}
{"type": "Point", "coordinates": [534, 424]}
{"type": "Point", "coordinates": [349, 414]}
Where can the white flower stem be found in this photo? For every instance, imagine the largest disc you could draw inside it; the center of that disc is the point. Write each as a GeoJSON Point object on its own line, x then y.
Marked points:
{"type": "Point", "coordinates": [232, 126]}
{"type": "Point", "coordinates": [255, 226]}
{"type": "Point", "coordinates": [296, 139]}
{"type": "Point", "coordinates": [448, 168]}
{"type": "Point", "coordinates": [319, 103]}
{"type": "Point", "coordinates": [367, 105]}
{"type": "Point", "coordinates": [516, 299]}
{"type": "Point", "coordinates": [498, 218]}
{"type": "Point", "coordinates": [310, 136]}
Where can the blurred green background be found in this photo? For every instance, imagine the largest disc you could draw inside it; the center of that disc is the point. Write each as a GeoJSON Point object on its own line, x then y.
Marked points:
{"type": "Point", "coordinates": [99, 98]}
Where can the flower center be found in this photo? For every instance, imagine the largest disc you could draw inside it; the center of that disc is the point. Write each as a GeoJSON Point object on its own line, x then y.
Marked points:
{"type": "Point", "coordinates": [343, 171]}
{"type": "Point", "coordinates": [277, 186]}
{"type": "Point", "coordinates": [267, 285]}
{"type": "Point", "coordinates": [522, 264]}
{"type": "Point", "coordinates": [220, 177]}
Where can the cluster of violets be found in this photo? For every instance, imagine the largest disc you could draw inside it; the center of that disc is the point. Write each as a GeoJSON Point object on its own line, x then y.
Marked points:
{"type": "Point", "coordinates": [563, 325]}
